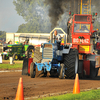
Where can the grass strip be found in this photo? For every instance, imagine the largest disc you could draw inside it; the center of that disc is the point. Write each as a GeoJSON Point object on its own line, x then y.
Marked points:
{"type": "Point", "coordinates": [11, 66]}
{"type": "Point", "coordinates": [87, 95]}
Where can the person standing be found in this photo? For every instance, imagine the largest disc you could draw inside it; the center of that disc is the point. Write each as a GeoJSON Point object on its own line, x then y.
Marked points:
{"type": "Point", "coordinates": [57, 39]}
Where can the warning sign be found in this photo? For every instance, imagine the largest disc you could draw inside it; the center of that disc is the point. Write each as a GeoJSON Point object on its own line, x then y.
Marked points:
{"type": "Point", "coordinates": [84, 48]}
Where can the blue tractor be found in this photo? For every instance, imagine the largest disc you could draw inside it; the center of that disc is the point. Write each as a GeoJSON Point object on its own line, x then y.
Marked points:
{"type": "Point", "coordinates": [54, 58]}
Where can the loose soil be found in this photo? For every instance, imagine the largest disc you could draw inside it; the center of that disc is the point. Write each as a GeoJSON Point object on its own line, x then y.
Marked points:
{"type": "Point", "coordinates": [35, 87]}
{"type": "Point", "coordinates": [40, 85]}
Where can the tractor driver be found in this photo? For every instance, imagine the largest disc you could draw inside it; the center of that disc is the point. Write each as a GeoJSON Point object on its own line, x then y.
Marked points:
{"type": "Point", "coordinates": [84, 29]}
{"type": "Point", "coordinates": [57, 39]}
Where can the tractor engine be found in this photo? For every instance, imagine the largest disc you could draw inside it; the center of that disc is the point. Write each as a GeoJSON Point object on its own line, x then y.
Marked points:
{"type": "Point", "coordinates": [49, 51]}
{"type": "Point", "coordinates": [50, 60]}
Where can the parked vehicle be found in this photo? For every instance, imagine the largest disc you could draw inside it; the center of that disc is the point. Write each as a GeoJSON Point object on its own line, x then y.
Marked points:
{"type": "Point", "coordinates": [17, 51]}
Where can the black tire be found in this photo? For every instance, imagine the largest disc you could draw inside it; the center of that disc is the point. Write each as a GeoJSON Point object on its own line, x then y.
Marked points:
{"type": "Point", "coordinates": [29, 51]}
{"type": "Point", "coordinates": [93, 70]}
{"type": "Point", "coordinates": [70, 61]}
{"type": "Point", "coordinates": [15, 56]}
{"type": "Point", "coordinates": [32, 70]}
{"type": "Point", "coordinates": [62, 72]}
{"type": "Point", "coordinates": [25, 66]}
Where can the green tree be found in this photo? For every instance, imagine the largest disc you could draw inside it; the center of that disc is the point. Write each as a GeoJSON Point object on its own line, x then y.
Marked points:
{"type": "Point", "coordinates": [33, 13]}
{"type": "Point", "coordinates": [3, 34]}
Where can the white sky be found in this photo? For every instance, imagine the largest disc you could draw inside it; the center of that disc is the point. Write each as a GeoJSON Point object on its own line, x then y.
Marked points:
{"type": "Point", "coordinates": [9, 19]}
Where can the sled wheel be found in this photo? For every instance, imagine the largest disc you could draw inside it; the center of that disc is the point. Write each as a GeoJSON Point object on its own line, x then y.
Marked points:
{"type": "Point", "coordinates": [32, 70]}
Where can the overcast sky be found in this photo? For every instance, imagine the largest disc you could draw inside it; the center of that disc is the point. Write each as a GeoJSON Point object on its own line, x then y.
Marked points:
{"type": "Point", "coordinates": [9, 19]}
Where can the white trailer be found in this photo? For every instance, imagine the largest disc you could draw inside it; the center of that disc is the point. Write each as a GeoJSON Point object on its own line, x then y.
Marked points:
{"type": "Point", "coordinates": [34, 38]}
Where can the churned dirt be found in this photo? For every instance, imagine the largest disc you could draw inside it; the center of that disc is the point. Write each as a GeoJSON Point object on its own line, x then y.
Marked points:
{"type": "Point", "coordinates": [35, 87]}
{"type": "Point", "coordinates": [40, 86]}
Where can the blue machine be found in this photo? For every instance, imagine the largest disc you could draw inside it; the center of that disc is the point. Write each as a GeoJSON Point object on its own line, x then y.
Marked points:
{"type": "Point", "coordinates": [52, 59]}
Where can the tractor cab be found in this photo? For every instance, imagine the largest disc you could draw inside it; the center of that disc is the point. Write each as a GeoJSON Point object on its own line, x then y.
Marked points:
{"type": "Point", "coordinates": [81, 33]}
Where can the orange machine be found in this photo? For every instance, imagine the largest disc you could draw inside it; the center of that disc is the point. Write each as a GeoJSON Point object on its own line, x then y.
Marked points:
{"type": "Point", "coordinates": [85, 40]}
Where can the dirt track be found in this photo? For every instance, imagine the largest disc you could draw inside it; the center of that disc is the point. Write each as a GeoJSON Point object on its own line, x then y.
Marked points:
{"type": "Point", "coordinates": [39, 85]}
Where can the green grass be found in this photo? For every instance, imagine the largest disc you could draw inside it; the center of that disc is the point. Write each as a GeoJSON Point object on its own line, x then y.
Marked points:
{"type": "Point", "coordinates": [11, 66]}
{"type": "Point", "coordinates": [88, 95]}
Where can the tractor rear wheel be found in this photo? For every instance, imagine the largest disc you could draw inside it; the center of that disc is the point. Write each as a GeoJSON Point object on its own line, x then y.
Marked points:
{"type": "Point", "coordinates": [93, 70]}
{"type": "Point", "coordinates": [29, 52]}
{"type": "Point", "coordinates": [71, 63]}
{"type": "Point", "coordinates": [62, 71]}
{"type": "Point", "coordinates": [15, 56]}
{"type": "Point", "coordinates": [32, 70]}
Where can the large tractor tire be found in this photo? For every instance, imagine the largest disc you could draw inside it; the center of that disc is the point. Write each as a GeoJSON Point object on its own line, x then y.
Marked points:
{"type": "Point", "coordinates": [62, 71]}
{"type": "Point", "coordinates": [37, 55]}
{"type": "Point", "coordinates": [71, 61]}
{"type": "Point", "coordinates": [25, 66]}
{"type": "Point", "coordinates": [32, 70]}
{"type": "Point", "coordinates": [15, 56]}
{"type": "Point", "coordinates": [29, 51]}
{"type": "Point", "coordinates": [93, 70]}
